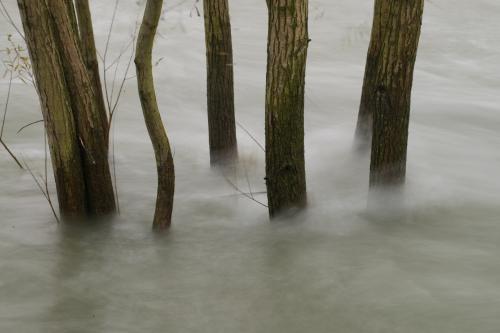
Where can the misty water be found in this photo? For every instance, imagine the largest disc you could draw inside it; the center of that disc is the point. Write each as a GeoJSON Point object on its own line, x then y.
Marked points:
{"type": "Point", "coordinates": [427, 262]}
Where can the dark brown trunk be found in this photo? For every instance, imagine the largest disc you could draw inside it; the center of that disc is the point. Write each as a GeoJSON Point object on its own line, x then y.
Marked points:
{"type": "Point", "coordinates": [152, 117]}
{"type": "Point", "coordinates": [56, 108]}
{"type": "Point", "coordinates": [220, 89]}
{"type": "Point", "coordinates": [286, 66]}
{"type": "Point", "coordinates": [92, 131]}
{"type": "Point", "coordinates": [387, 87]}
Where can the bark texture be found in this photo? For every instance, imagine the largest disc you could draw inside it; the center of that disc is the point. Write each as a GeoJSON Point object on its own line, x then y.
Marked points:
{"type": "Point", "coordinates": [56, 108]}
{"type": "Point", "coordinates": [286, 66]}
{"type": "Point", "coordinates": [70, 7]}
{"type": "Point", "coordinates": [220, 88]}
{"type": "Point", "coordinates": [89, 54]}
{"type": "Point", "coordinates": [92, 131]}
{"type": "Point", "coordinates": [385, 104]}
{"type": "Point", "coordinates": [152, 117]}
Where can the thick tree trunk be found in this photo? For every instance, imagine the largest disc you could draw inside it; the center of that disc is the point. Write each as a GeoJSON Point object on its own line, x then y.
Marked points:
{"type": "Point", "coordinates": [56, 108]}
{"type": "Point", "coordinates": [286, 66]}
{"type": "Point", "coordinates": [89, 53]}
{"type": "Point", "coordinates": [152, 117]}
{"type": "Point", "coordinates": [387, 88]}
{"type": "Point", "coordinates": [70, 6]}
{"type": "Point", "coordinates": [220, 89]}
{"type": "Point", "coordinates": [92, 131]}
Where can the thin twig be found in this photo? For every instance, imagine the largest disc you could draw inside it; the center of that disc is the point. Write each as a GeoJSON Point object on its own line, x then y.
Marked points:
{"type": "Point", "coordinates": [42, 189]}
{"type": "Point", "coordinates": [6, 105]}
{"type": "Point", "coordinates": [248, 180]}
{"type": "Point", "coordinates": [114, 170]}
{"type": "Point", "coordinates": [11, 153]}
{"type": "Point", "coordinates": [5, 13]}
{"type": "Point", "coordinates": [243, 193]}
{"type": "Point", "coordinates": [28, 125]}
{"type": "Point", "coordinates": [120, 91]}
{"type": "Point", "coordinates": [46, 178]}
{"type": "Point", "coordinates": [251, 136]}
{"type": "Point", "coordinates": [106, 48]}
{"type": "Point", "coordinates": [3, 125]}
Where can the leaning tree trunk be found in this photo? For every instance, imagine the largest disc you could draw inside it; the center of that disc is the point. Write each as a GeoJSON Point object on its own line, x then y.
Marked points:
{"type": "Point", "coordinates": [286, 66]}
{"type": "Point", "coordinates": [70, 7]}
{"type": "Point", "coordinates": [92, 130]}
{"type": "Point", "coordinates": [385, 38]}
{"type": "Point", "coordinates": [89, 53]}
{"type": "Point", "coordinates": [220, 89]}
{"type": "Point", "coordinates": [56, 108]}
{"type": "Point", "coordinates": [388, 84]}
{"type": "Point", "coordinates": [152, 117]}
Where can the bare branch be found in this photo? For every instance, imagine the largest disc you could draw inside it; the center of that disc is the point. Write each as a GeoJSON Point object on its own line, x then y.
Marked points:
{"type": "Point", "coordinates": [28, 125]}
{"type": "Point", "coordinates": [243, 193]}
{"type": "Point", "coordinates": [6, 15]}
{"type": "Point", "coordinates": [251, 136]}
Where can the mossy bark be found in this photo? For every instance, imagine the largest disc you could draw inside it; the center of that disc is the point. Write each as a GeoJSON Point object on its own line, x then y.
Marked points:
{"type": "Point", "coordinates": [286, 67]}
{"type": "Point", "coordinates": [89, 54]}
{"type": "Point", "coordinates": [92, 130]}
{"type": "Point", "coordinates": [385, 103]}
{"type": "Point", "coordinates": [56, 108]}
{"type": "Point", "coordinates": [152, 117]}
{"type": "Point", "coordinates": [220, 87]}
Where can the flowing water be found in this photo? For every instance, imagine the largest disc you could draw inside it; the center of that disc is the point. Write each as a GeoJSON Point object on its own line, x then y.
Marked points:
{"type": "Point", "coordinates": [429, 263]}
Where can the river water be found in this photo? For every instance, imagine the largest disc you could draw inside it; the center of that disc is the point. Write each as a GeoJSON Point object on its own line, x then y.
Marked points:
{"type": "Point", "coordinates": [429, 263]}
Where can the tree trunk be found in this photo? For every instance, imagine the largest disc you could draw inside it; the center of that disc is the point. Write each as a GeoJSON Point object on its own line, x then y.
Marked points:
{"type": "Point", "coordinates": [220, 88]}
{"type": "Point", "coordinates": [286, 66]}
{"type": "Point", "coordinates": [387, 88]}
{"type": "Point", "coordinates": [92, 131]}
{"type": "Point", "coordinates": [89, 53]}
{"type": "Point", "coordinates": [152, 117]}
{"type": "Point", "coordinates": [56, 108]}
{"type": "Point", "coordinates": [70, 7]}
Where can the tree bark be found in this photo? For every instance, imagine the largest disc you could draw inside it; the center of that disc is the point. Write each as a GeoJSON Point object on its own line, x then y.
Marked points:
{"type": "Point", "coordinates": [92, 131]}
{"type": "Point", "coordinates": [56, 108]}
{"type": "Point", "coordinates": [152, 117]}
{"type": "Point", "coordinates": [385, 103]}
{"type": "Point", "coordinates": [89, 54]}
{"type": "Point", "coordinates": [220, 87]}
{"type": "Point", "coordinates": [286, 66]}
{"type": "Point", "coordinates": [70, 7]}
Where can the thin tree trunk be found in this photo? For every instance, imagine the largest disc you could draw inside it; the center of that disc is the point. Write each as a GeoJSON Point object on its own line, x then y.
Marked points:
{"type": "Point", "coordinates": [220, 87]}
{"type": "Point", "coordinates": [152, 117]}
{"type": "Point", "coordinates": [89, 54]}
{"type": "Point", "coordinates": [286, 67]}
{"type": "Point", "coordinates": [56, 108]}
{"type": "Point", "coordinates": [92, 131]}
{"type": "Point", "coordinates": [387, 87]}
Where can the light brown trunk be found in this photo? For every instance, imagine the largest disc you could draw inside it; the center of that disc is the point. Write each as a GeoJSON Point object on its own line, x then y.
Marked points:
{"type": "Point", "coordinates": [152, 117]}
